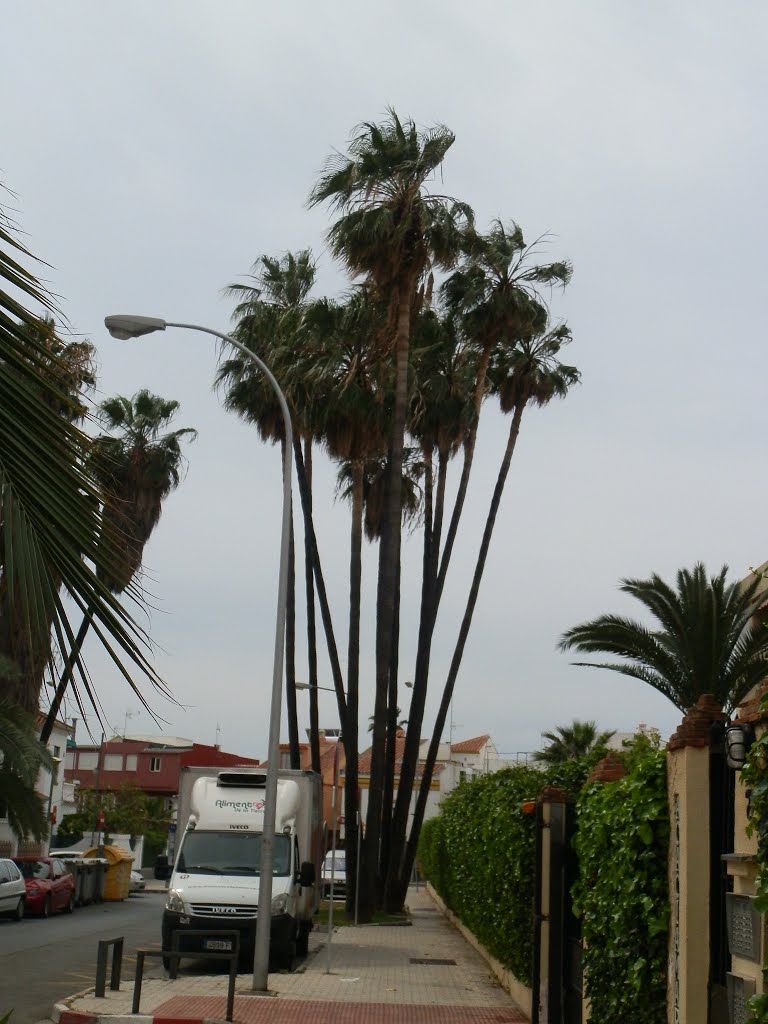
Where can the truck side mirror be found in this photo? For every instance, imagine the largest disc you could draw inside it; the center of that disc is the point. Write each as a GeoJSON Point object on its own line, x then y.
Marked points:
{"type": "Point", "coordinates": [307, 874]}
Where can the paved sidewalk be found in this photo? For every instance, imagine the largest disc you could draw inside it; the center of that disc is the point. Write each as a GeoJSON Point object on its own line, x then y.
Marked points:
{"type": "Point", "coordinates": [378, 975]}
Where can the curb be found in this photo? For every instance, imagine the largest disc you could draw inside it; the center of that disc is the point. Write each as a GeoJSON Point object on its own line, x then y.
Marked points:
{"type": "Point", "coordinates": [62, 1014]}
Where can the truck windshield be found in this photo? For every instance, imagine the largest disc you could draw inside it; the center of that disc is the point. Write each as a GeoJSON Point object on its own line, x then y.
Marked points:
{"type": "Point", "coordinates": [231, 853]}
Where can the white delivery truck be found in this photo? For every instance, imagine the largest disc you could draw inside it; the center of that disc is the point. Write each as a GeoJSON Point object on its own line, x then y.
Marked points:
{"type": "Point", "coordinates": [214, 886]}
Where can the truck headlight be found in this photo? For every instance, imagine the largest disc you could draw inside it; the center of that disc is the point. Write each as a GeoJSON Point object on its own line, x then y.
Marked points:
{"type": "Point", "coordinates": [280, 903]}
{"type": "Point", "coordinates": [174, 902]}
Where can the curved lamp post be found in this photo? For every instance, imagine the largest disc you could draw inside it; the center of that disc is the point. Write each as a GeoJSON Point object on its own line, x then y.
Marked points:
{"type": "Point", "coordinates": [124, 327]}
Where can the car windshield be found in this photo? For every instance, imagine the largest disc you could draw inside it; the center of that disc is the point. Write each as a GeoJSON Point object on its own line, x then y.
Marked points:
{"type": "Point", "coordinates": [34, 868]}
{"type": "Point", "coordinates": [231, 853]}
{"type": "Point", "coordinates": [339, 864]}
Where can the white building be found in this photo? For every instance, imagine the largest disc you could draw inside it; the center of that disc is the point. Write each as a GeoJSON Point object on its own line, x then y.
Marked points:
{"type": "Point", "coordinates": [49, 788]}
{"type": "Point", "coordinates": [455, 762]}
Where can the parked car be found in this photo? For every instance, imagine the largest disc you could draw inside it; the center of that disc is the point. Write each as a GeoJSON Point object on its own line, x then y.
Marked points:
{"type": "Point", "coordinates": [49, 885]}
{"type": "Point", "coordinates": [137, 882]}
{"type": "Point", "coordinates": [339, 867]}
{"type": "Point", "coordinates": [12, 890]}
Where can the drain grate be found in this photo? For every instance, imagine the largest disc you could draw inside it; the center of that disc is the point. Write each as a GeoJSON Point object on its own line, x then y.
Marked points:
{"type": "Point", "coordinates": [433, 961]}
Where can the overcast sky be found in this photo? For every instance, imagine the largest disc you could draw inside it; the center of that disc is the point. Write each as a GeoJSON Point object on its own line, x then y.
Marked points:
{"type": "Point", "coordinates": [158, 148]}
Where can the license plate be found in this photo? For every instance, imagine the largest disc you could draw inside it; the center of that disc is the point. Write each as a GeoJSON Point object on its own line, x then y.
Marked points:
{"type": "Point", "coordinates": [223, 944]}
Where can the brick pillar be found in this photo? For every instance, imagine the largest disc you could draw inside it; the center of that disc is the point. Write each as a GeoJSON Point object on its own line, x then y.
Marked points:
{"type": "Point", "coordinates": [689, 867]}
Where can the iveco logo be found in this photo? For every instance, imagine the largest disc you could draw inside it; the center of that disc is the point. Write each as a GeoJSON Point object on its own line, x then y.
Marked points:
{"type": "Point", "coordinates": [224, 910]}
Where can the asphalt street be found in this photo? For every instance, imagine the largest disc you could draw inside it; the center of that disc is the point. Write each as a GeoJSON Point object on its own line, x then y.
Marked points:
{"type": "Point", "coordinates": [42, 961]}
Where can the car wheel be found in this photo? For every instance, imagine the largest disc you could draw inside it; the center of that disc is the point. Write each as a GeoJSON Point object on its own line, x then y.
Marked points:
{"type": "Point", "coordinates": [46, 911]}
{"type": "Point", "coordinates": [70, 904]}
{"type": "Point", "coordinates": [18, 914]}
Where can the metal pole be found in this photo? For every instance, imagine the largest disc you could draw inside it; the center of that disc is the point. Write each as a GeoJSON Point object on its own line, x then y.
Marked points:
{"type": "Point", "coordinates": [333, 854]}
{"type": "Point", "coordinates": [357, 867]}
{"type": "Point", "coordinates": [263, 918]}
{"type": "Point", "coordinates": [97, 802]}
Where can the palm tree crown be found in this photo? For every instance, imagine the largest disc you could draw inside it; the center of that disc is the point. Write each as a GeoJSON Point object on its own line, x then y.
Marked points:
{"type": "Point", "coordinates": [571, 742]}
{"type": "Point", "coordinates": [137, 468]}
{"type": "Point", "coordinates": [704, 639]}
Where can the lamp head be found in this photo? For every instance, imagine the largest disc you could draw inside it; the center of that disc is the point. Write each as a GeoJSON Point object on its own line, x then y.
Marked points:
{"type": "Point", "coordinates": [124, 326]}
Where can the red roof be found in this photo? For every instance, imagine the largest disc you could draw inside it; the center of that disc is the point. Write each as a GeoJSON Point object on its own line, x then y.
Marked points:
{"type": "Point", "coordinates": [473, 746]}
{"type": "Point", "coordinates": [364, 765]}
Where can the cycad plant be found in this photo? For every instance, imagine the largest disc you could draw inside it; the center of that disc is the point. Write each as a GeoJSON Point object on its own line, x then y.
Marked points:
{"type": "Point", "coordinates": [701, 637]}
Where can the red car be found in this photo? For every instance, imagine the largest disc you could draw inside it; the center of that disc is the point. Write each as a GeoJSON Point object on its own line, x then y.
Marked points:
{"type": "Point", "coordinates": [49, 885]}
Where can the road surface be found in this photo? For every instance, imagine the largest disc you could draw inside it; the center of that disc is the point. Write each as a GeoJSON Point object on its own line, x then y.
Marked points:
{"type": "Point", "coordinates": [42, 961]}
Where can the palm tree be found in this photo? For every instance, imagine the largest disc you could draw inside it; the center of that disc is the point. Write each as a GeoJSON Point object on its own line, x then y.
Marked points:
{"type": "Point", "coordinates": [136, 469]}
{"type": "Point", "coordinates": [526, 373]}
{"type": "Point", "coordinates": [21, 758]}
{"type": "Point", "coordinates": [496, 294]}
{"type": "Point", "coordinates": [492, 299]}
{"type": "Point", "coordinates": [571, 742]}
{"type": "Point", "coordinates": [269, 318]}
{"type": "Point", "coordinates": [71, 370]}
{"type": "Point", "coordinates": [50, 514]}
{"type": "Point", "coordinates": [703, 639]}
{"type": "Point", "coordinates": [391, 232]}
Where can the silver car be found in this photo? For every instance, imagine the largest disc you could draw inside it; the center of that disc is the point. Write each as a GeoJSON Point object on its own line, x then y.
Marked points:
{"type": "Point", "coordinates": [338, 869]}
{"type": "Point", "coordinates": [12, 890]}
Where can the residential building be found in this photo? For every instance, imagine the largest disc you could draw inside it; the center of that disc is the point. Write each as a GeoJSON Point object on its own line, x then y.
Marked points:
{"type": "Point", "coordinates": [455, 762]}
{"type": "Point", "coordinates": [49, 787]}
{"type": "Point", "coordinates": [150, 763]}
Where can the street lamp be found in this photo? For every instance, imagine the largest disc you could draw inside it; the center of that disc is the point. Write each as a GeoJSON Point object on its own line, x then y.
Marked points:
{"type": "Point", "coordinates": [124, 327]}
{"type": "Point", "coordinates": [314, 686]}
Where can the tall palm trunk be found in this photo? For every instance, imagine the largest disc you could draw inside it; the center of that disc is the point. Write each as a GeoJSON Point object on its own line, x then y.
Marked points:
{"type": "Point", "coordinates": [322, 596]}
{"type": "Point", "coordinates": [350, 722]}
{"type": "Point", "coordinates": [309, 580]}
{"type": "Point", "coordinates": [466, 622]}
{"type": "Point", "coordinates": [432, 590]}
{"type": "Point", "coordinates": [290, 655]}
{"type": "Point", "coordinates": [466, 469]}
{"type": "Point", "coordinates": [433, 519]}
{"type": "Point", "coordinates": [389, 557]}
{"type": "Point", "coordinates": [390, 754]}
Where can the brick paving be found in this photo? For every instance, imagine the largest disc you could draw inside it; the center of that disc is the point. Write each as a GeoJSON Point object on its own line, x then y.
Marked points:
{"type": "Point", "coordinates": [372, 980]}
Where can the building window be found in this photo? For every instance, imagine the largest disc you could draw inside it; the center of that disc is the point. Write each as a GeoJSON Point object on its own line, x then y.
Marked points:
{"type": "Point", "coordinates": [154, 764]}
{"type": "Point", "coordinates": [88, 759]}
{"type": "Point", "coordinates": [113, 762]}
{"type": "Point", "coordinates": [130, 762]}
{"type": "Point", "coordinates": [57, 751]}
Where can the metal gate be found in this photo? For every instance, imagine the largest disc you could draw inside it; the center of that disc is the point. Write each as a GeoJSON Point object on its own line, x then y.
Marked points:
{"type": "Point", "coordinates": [557, 968]}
